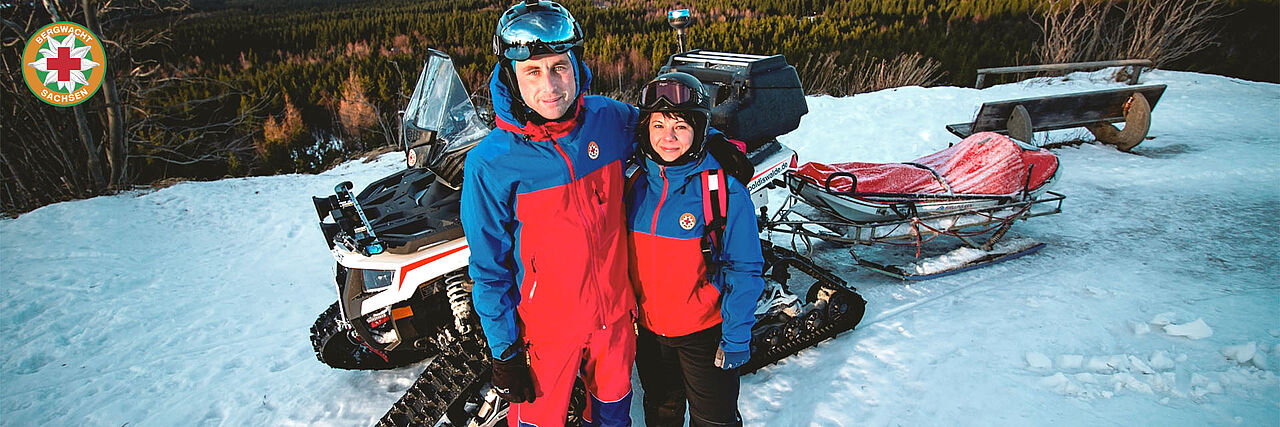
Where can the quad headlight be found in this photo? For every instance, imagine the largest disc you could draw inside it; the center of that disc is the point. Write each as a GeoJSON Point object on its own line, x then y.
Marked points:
{"type": "Point", "coordinates": [376, 279]}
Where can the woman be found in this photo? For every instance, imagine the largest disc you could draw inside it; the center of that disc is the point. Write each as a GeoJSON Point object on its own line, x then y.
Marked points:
{"type": "Point", "coordinates": [696, 311]}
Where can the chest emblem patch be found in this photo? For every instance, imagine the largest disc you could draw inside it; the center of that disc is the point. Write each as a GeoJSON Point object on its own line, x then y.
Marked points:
{"type": "Point", "coordinates": [687, 221]}
{"type": "Point", "coordinates": [593, 150]}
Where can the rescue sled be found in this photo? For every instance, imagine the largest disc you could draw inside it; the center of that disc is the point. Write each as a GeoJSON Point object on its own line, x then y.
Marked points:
{"type": "Point", "coordinates": [978, 187]}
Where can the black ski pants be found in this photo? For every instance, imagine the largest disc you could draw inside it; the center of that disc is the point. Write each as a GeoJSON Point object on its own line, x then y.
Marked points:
{"type": "Point", "coordinates": [674, 370]}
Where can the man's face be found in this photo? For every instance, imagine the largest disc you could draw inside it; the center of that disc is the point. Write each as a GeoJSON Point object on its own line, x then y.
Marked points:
{"type": "Point", "coordinates": [547, 84]}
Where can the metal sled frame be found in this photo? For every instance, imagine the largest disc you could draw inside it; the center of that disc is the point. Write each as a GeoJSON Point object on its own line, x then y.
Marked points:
{"type": "Point", "coordinates": [905, 218]}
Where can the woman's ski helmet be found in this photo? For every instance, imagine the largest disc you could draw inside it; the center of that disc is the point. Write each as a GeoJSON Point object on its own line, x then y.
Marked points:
{"type": "Point", "coordinates": [681, 93]}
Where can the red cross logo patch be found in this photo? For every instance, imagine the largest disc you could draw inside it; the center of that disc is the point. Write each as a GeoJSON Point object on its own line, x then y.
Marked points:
{"type": "Point", "coordinates": [593, 150]}
{"type": "Point", "coordinates": [687, 221]}
{"type": "Point", "coordinates": [63, 64]}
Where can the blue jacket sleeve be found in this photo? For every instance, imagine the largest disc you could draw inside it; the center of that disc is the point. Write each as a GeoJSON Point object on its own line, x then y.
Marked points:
{"type": "Point", "coordinates": [488, 219]}
{"type": "Point", "coordinates": [740, 271]}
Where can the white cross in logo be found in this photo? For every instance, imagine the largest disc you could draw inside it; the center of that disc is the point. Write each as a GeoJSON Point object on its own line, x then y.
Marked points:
{"type": "Point", "coordinates": [687, 221]}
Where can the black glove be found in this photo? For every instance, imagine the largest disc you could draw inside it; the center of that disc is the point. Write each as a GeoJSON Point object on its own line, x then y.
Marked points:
{"type": "Point", "coordinates": [511, 379]}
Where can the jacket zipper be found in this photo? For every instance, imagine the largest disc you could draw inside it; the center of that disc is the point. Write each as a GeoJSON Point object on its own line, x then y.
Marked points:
{"type": "Point", "coordinates": [578, 206]}
{"type": "Point", "coordinates": [653, 230]}
{"type": "Point", "coordinates": [653, 226]}
{"type": "Point", "coordinates": [533, 265]}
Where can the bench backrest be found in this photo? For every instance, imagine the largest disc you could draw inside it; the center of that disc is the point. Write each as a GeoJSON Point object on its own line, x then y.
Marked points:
{"type": "Point", "coordinates": [1063, 111]}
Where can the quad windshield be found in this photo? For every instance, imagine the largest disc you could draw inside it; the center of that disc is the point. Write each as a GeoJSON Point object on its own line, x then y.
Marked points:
{"type": "Point", "coordinates": [440, 116]}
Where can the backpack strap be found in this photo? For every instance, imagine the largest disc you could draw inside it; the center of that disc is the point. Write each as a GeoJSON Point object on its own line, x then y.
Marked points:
{"type": "Point", "coordinates": [715, 203]}
{"type": "Point", "coordinates": [628, 185]}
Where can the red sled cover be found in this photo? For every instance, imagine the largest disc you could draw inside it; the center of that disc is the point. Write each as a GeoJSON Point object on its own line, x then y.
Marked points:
{"type": "Point", "coordinates": [983, 163]}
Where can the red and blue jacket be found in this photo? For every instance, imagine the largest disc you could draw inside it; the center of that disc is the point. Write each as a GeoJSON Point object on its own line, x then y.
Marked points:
{"type": "Point", "coordinates": [543, 212]}
{"type": "Point", "coordinates": [666, 221]}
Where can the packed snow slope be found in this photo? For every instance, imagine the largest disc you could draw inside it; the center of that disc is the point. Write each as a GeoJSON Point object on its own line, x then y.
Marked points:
{"type": "Point", "coordinates": [1155, 302]}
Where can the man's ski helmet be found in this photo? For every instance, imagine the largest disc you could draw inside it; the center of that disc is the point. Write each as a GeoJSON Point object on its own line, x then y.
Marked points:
{"type": "Point", "coordinates": [531, 28]}
{"type": "Point", "coordinates": [536, 27]}
{"type": "Point", "coordinates": [675, 92]}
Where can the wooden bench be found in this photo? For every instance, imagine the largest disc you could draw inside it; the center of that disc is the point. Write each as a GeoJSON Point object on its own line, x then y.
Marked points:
{"type": "Point", "coordinates": [1094, 110]}
{"type": "Point", "coordinates": [1135, 67]}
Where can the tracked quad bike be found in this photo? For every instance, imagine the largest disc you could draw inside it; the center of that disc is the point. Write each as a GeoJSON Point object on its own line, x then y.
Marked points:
{"type": "Point", "coordinates": [401, 274]}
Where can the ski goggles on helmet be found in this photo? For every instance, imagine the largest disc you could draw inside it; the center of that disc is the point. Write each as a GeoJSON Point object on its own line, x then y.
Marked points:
{"type": "Point", "coordinates": [537, 32]}
{"type": "Point", "coordinates": [674, 93]}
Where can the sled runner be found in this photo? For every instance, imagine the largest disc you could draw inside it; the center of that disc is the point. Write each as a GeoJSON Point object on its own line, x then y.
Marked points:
{"type": "Point", "coordinates": [979, 186]}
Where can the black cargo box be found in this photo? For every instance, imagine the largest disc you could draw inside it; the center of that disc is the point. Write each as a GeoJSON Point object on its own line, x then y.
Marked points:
{"type": "Point", "coordinates": [756, 97]}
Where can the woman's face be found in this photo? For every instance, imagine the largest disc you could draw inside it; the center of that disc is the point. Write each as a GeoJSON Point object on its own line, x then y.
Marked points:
{"type": "Point", "coordinates": [669, 135]}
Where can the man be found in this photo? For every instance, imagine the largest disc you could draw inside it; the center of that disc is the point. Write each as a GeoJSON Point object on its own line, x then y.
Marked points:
{"type": "Point", "coordinates": [543, 212]}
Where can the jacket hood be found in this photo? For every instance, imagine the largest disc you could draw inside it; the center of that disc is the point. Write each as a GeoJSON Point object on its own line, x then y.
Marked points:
{"type": "Point", "coordinates": [678, 176]}
{"type": "Point", "coordinates": [504, 98]}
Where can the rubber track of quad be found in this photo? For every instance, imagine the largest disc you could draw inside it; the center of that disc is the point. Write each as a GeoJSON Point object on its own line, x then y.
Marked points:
{"type": "Point", "coordinates": [857, 308]}
{"type": "Point", "coordinates": [357, 356]}
{"type": "Point", "coordinates": [443, 381]}
{"type": "Point", "coordinates": [849, 320]}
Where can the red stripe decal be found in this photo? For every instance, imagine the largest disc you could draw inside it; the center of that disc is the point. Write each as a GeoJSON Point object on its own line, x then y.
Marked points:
{"type": "Point", "coordinates": [405, 270]}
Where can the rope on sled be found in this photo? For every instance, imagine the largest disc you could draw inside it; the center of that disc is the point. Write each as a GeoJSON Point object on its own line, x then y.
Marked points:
{"type": "Point", "coordinates": [917, 224]}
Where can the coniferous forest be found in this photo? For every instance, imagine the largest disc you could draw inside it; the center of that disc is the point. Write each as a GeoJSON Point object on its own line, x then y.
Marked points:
{"type": "Point", "coordinates": [216, 88]}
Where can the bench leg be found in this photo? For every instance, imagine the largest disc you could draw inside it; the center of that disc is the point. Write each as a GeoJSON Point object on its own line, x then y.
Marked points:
{"type": "Point", "coordinates": [1137, 122]}
{"type": "Point", "coordinates": [1019, 124]}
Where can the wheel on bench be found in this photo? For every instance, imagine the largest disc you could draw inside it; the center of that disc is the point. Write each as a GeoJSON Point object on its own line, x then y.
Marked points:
{"type": "Point", "coordinates": [1137, 122]}
{"type": "Point", "coordinates": [1019, 124]}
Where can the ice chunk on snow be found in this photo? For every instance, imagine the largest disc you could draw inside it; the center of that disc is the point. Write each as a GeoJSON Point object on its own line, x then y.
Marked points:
{"type": "Point", "coordinates": [1260, 360]}
{"type": "Point", "coordinates": [1124, 380]}
{"type": "Point", "coordinates": [1140, 328]}
{"type": "Point", "coordinates": [1059, 383]}
{"type": "Point", "coordinates": [1165, 383]}
{"type": "Point", "coordinates": [1246, 354]}
{"type": "Point", "coordinates": [1140, 366]}
{"type": "Point", "coordinates": [1070, 361]}
{"type": "Point", "coordinates": [1056, 381]}
{"type": "Point", "coordinates": [1160, 361]}
{"type": "Point", "coordinates": [1163, 318]}
{"type": "Point", "coordinates": [1105, 364]}
{"type": "Point", "coordinates": [1194, 330]}
{"type": "Point", "coordinates": [1038, 361]}
{"type": "Point", "coordinates": [1202, 385]}
{"type": "Point", "coordinates": [1242, 353]}
{"type": "Point", "coordinates": [1086, 378]}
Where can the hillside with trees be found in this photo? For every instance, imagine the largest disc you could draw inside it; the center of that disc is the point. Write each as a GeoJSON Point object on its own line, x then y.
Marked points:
{"type": "Point", "coordinates": [216, 88]}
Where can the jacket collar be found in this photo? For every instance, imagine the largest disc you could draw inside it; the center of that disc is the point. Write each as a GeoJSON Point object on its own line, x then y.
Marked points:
{"type": "Point", "coordinates": [545, 131]}
{"type": "Point", "coordinates": [503, 102]}
{"type": "Point", "coordinates": [677, 176]}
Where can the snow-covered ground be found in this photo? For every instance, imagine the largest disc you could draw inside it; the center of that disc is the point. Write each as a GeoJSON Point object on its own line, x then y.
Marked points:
{"type": "Point", "coordinates": [1155, 302]}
